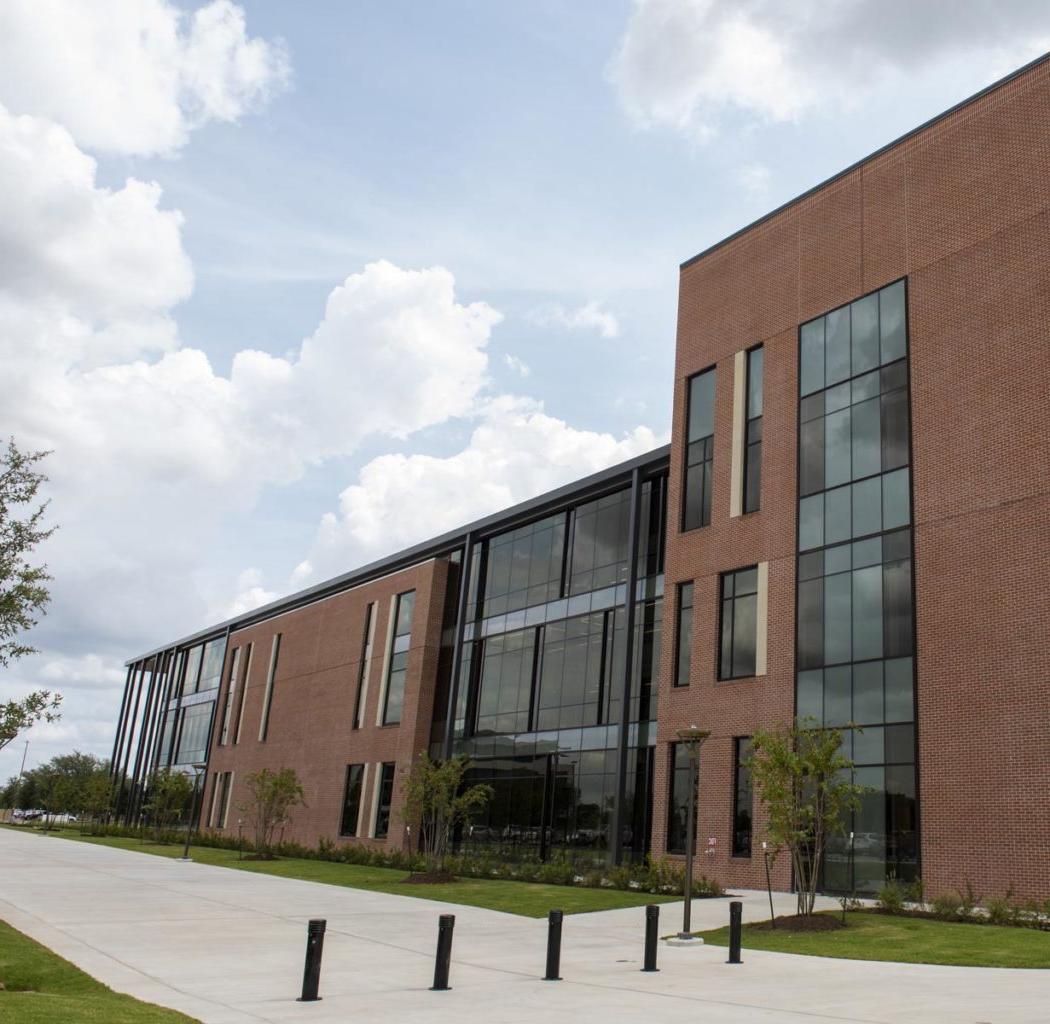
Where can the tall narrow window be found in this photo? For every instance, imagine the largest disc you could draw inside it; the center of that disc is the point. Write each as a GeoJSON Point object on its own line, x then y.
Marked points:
{"type": "Point", "coordinates": [246, 668]}
{"type": "Point", "coordinates": [700, 448]}
{"type": "Point", "coordinates": [739, 624]}
{"type": "Point", "coordinates": [231, 694]}
{"type": "Point", "coordinates": [684, 635]}
{"type": "Point", "coordinates": [741, 797]}
{"type": "Point", "coordinates": [366, 663]}
{"type": "Point", "coordinates": [679, 795]}
{"type": "Point", "coordinates": [399, 645]}
{"type": "Point", "coordinates": [385, 797]}
{"type": "Point", "coordinates": [221, 799]}
{"type": "Point", "coordinates": [351, 799]}
{"type": "Point", "coordinates": [264, 721]}
{"type": "Point", "coordinates": [753, 432]}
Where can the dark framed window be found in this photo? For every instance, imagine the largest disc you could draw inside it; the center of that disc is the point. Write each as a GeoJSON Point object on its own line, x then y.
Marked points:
{"type": "Point", "coordinates": [753, 432]}
{"type": "Point", "coordinates": [679, 794]}
{"type": "Point", "coordinates": [739, 630]}
{"type": "Point", "coordinates": [398, 668]}
{"type": "Point", "coordinates": [366, 661]}
{"type": "Point", "coordinates": [700, 451]}
{"type": "Point", "coordinates": [351, 799]}
{"type": "Point", "coordinates": [742, 799]}
{"type": "Point", "coordinates": [386, 795]}
{"type": "Point", "coordinates": [684, 634]}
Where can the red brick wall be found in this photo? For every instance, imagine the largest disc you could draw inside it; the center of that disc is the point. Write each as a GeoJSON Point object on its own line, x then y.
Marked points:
{"type": "Point", "coordinates": [961, 209]}
{"type": "Point", "coordinates": [311, 714]}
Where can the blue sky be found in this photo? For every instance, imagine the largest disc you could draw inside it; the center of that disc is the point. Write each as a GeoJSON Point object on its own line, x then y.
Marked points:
{"type": "Point", "coordinates": [475, 213]}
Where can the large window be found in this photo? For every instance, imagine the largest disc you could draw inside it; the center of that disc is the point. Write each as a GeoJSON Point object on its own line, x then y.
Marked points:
{"type": "Point", "coordinates": [700, 451]}
{"type": "Point", "coordinates": [855, 621]}
{"type": "Point", "coordinates": [753, 432]}
{"type": "Point", "coordinates": [741, 797]}
{"type": "Point", "coordinates": [523, 567]}
{"type": "Point", "coordinates": [683, 782]}
{"type": "Point", "coordinates": [684, 634]}
{"type": "Point", "coordinates": [599, 543]}
{"type": "Point", "coordinates": [505, 690]}
{"type": "Point", "coordinates": [385, 798]}
{"type": "Point", "coordinates": [739, 624]}
{"type": "Point", "coordinates": [399, 648]}
{"type": "Point", "coordinates": [193, 734]}
{"type": "Point", "coordinates": [351, 800]}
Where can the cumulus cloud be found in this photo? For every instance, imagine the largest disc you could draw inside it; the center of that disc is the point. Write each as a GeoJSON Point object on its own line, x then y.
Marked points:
{"type": "Point", "coordinates": [692, 64]}
{"type": "Point", "coordinates": [134, 77]}
{"type": "Point", "coordinates": [517, 365]}
{"type": "Point", "coordinates": [515, 452]}
{"type": "Point", "coordinates": [588, 317]}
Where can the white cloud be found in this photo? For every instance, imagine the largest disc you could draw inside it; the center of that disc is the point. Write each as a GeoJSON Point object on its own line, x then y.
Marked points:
{"type": "Point", "coordinates": [250, 594]}
{"type": "Point", "coordinates": [133, 76]}
{"type": "Point", "coordinates": [517, 365]}
{"type": "Point", "coordinates": [589, 317]}
{"type": "Point", "coordinates": [755, 179]}
{"type": "Point", "coordinates": [515, 452]}
{"type": "Point", "coordinates": [692, 64]}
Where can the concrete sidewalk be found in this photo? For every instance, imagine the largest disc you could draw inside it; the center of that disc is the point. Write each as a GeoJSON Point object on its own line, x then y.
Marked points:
{"type": "Point", "coordinates": [227, 947]}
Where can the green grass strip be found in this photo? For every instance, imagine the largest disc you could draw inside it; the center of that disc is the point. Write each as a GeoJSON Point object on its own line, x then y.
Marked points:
{"type": "Point", "coordinates": [42, 988]}
{"type": "Point", "coordinates": [910, 940]}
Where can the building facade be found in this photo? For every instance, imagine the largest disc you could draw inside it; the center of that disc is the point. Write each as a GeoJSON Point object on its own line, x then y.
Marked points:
{"type": "Point", "coordinates": [851, 525]}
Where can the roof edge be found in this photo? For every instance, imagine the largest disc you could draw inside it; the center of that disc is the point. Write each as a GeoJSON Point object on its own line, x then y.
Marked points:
{"type": "Point", "coordinates": [998, 84]}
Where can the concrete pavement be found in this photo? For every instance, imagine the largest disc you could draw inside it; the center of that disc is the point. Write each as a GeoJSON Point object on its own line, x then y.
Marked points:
{"type": "Point", "coordinates": [227, 947]}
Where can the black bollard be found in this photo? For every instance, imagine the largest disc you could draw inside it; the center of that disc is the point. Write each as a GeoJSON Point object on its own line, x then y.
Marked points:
{"type": "Point", "coordinates": [735, 910]}
{"type": "Point", "coordinates": [444, 952]}
{"type": "Point", "coordinates": [652, 926]}
{"type": "Point", "coordinates": [312, 969]}
{"type": "Point", "coordinates": [553, 945]}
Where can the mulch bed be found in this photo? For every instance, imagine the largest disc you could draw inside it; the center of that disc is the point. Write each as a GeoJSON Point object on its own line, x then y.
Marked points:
{"type": "Point", "coordinates": [803, 923]}
{"type": "Point", "coordinates": [430, 878]}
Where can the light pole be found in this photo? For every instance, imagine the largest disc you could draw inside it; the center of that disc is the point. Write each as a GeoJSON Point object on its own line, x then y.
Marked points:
{"type": "Point", "coordinates": [693, 738]}
{"type": "Point", "coordinates": [197, 769]}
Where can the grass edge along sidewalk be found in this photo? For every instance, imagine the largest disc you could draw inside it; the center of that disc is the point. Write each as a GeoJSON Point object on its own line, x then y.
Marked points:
{"type": "Point", "coordinates": [527, 899]}
{"type": "Point", "coordinates": [42, 988]}
{"type": "Point", "coordinates": [874, 936]}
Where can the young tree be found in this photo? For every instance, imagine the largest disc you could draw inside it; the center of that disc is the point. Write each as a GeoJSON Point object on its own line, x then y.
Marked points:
{"type": "Point", "coordinates": [436, 803]}
{"type": "Point", "coordinates": [23, 587]}
{"type": "Point", "coordinates": [272, 796]}
{"type": "Point", "coordinates": [806, 784]}
{"type": "Point", "coordinates": [168, 797]}
{"type": "Point", "coordinates": [97, 795]}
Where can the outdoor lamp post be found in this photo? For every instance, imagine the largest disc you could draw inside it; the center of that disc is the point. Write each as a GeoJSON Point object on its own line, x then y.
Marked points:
{"type": "Point", "coordinates": [197, 770]}
{"type": "Point", "coordinates": [693, 738]}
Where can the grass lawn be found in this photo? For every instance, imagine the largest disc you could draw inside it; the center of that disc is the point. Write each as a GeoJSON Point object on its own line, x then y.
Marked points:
{"type": "Point", "coordinates": [530, 899]}
{"type": "Point", "coordinates": [907, 940]}
{"type": "Point", "coordinates": [42, 988]}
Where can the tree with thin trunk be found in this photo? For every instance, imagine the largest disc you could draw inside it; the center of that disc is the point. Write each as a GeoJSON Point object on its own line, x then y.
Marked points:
{"type": "Point", "coordinates": [23, 586]}
{"type": "Point", "coordinates": [806, 784]}
{"type": "Point", "coordinates": [272, 796]}
{"type": "Point", "coordinates": [168, 796]}
{"type": "Point", "coordinates": [436, 802]}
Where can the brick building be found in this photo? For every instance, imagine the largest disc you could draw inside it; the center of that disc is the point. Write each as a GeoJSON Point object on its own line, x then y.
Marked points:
{"type": "Point", "coordinates": [851, 523]}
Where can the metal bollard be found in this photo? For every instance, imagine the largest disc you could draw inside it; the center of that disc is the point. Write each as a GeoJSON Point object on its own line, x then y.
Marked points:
{"type": "Point", "coordinates": [312, 969]}
{"type": "Point", "coordinates": [735, 911]}
{"type": "Point", "coordinates": [652, 926]}
{"type": "Point", "coordinates": [444, 952]}
{"type": "Point", "coordinates": [553, 945]}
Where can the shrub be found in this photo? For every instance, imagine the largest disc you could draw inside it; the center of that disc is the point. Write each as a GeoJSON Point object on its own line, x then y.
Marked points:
{"type": "Point", "coordinates": [969, 901]}
{"type": "Point", "coordinates": [916, 893]}
{"type": "Point", "coordinates": [891, 897]}
{"type": "Point", "coordinates": [1002, 911]}
{"type": "Point", "coordinates": [947, 906]}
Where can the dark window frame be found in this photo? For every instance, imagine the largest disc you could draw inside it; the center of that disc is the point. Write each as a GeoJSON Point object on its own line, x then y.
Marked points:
{"type": "Point", "coordinates": [740, 769]}
{"type": "Point", "coordinates": [384, 792]}
{"type": "Point", "coordinates": [706, 460]}
{"type": "Point", "coordinates": [733, 676]}
{"type": "Point", "coordinates": [355, 780]}
{"type": "Point", "coordinates": [753, 425]}
{"type": "Point", "coordinates": [392, 654]}
{"type": "Point", "coordinates": [684, 634]}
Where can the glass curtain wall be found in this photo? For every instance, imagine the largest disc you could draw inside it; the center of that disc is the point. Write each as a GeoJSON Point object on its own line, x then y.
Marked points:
{"type": "Point", "coordinates": [543, 668]}
{"type": "Point", "coordinates": [855, 631]}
